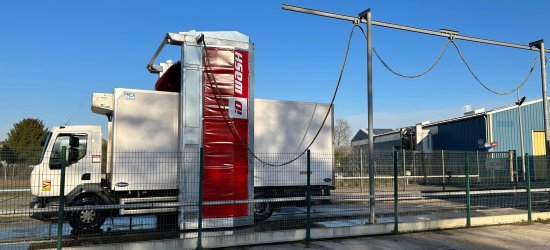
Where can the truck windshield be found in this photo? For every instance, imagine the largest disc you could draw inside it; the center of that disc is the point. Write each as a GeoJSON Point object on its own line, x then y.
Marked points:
{"type": "Point", "coordinates": [45, 145]}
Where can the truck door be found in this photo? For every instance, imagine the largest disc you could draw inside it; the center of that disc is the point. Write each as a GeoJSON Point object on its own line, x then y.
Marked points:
{"type": "Point", "coordinates": [76, 173]}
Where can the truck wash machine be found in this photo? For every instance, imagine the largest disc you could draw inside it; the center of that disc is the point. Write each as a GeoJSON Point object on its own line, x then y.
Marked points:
{"type": "Point", "coordinates": [215, 82]}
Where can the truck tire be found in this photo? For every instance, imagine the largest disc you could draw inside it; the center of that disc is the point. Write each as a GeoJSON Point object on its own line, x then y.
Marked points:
{"type": "Point", "coordinates": [262, 210]}
{"type": "Point", "coordinates": [88, 220]}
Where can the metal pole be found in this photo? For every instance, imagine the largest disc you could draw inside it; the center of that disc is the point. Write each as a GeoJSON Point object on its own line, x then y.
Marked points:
{"type": "Point", "coordinates": [395, 195]}
{"type": "Point", "coordinates": [545, 98]}
{"type": "Point", "coordinates": [441, 33]}
{"type": "Point", "coordinates": [201, 171]}
{"type": "Point", "coordinates": [540, 45]}
{"type": "Point", "coordinates": [521, 133]}
{"type": "Point", "coordinates": [361, 167]}
{"type": "Point", "coordinates": [308, 197]}
{"type": "Point", "coordinates": [372, 203]}
{"type": "Point", "coordinates": [528, 176]}
{"type": "Point", "coordinates": [61, 212]}
{"type": "Point", "coordinates": [468, 201]}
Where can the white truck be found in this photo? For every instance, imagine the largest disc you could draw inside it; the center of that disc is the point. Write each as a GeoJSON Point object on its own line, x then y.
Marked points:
{"type": "Point", "coordinates": [154, 138]}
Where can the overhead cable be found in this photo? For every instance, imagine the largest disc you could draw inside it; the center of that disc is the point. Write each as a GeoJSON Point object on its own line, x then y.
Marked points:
{"type": "Point", "coordinates": [484, 85]}
{"type": "Point", "coordinates": [403, 75]}
{"type": "Point", "coordinates": [463, 60]}
{"type": "Point", "coordinates": [231, 125]}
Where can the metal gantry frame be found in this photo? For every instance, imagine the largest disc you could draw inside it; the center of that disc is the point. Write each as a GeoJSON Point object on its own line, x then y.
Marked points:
{"type": "Point", "coordinates": [366, 17]}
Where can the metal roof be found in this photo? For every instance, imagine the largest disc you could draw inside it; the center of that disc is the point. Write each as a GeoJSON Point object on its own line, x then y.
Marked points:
{"type": "Point", "coordinates": [363, 133]}
{"type": "Point", "coordinates": [495, 110]}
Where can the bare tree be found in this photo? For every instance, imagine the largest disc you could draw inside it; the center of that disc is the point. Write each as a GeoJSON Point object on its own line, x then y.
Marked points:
{"type": "Point", "coordinates": [342, 145]}
{"type": "Point", "coordinates": [342, 137]}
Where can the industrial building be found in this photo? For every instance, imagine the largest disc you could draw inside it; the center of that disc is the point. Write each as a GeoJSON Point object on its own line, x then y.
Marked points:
{"type": "Point", "coordinates": [496, 130]}
{"type": "Point", "coordinates": [478, 130]}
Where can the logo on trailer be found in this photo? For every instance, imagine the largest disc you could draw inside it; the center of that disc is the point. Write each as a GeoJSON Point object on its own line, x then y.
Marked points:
{"type": "Point", "coordinates": [129, 96]}
{"type": "Point", "coordinates": [121, 184]}
{"type": "Point", "coordinates": [238, 73]}
{"type": "Point", "coordinates": [238, 108]}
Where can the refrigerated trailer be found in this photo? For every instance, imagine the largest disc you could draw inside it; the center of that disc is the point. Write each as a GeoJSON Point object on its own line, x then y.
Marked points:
{"type": "Point", "coordinates": [154, 140]}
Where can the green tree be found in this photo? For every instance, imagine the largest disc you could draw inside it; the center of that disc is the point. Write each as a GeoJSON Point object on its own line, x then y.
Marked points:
{"type": "Point", "coordinates": [24, 141]}
{"type": "Point", "coordinates": [27, 133]}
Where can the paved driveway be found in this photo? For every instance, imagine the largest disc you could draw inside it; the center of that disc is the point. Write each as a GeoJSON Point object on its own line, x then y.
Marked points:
{"type": "Point", "coordinates": [517, 236]}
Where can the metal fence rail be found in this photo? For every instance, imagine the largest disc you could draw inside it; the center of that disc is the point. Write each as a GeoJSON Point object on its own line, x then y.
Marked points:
{"type": "Point", "coordinates": [409, 187]}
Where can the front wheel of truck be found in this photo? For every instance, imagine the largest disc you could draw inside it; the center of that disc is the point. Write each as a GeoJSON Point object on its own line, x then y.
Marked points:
{"type": "Point", "coordinates": [87, 220]}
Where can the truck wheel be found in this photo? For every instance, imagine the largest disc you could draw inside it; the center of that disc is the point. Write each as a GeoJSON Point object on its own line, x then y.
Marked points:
{"type": "Point", "coordinates": [87, 220]}
{"type": "Point", "coordinates": [262, 210]}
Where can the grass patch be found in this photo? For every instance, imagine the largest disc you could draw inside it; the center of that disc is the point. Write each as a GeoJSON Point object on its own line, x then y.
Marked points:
{"type": "Point", "coordinates": [543, 221]}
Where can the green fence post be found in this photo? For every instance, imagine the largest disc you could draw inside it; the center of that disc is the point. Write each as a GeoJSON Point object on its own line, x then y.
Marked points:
{"type": "Point", "coordinates": [199, 227]}
{"type": "Point", "coordinates": [477, 163]}
{"type": "Point", "coordinates": [405, 177]}
{"type": "Point", "coordinates": [424, 169]}
{"type": "Point", "coordinates": [395, 195]}
{"type": "Point", "coordinates": [61, 212]}
{"type": "Point", "coordinates": [467, 173]}
{"type": "Point", "coordinates": [511, 165]}
{"type": "Point", "coordinates": [443, 168]}
{"type": "Point", "coordinates": [528, 177]}
{"type": "Point", "coordinates": [308, 197]}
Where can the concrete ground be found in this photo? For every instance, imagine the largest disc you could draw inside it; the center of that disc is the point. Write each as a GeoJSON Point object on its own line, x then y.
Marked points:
{"type": "Point", "coordinates": [516, 236]}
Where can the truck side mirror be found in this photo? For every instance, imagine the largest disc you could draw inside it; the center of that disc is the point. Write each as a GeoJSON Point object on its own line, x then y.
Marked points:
{"type": "Point", "coordinates": [74, 142]}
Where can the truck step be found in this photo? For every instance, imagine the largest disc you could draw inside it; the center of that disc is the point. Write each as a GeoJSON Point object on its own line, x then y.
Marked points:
{"type": "Point", "coordinates": [153, 200]}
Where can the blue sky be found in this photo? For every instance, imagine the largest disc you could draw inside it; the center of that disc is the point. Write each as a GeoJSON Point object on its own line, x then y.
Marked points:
{"type": "Point", "coordinates": [55, 54]}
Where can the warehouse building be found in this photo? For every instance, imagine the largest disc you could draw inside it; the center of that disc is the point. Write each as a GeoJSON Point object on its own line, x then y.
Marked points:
{"type": "Point", "coordinates": [475, 130]}
{"type": "Point", "coordinates": [361, 138]}
{"type": "Point", "coordinates": [496, 130]}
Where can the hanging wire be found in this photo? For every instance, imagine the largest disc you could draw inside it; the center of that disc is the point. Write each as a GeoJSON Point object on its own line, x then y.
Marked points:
{"type": "Point", "coordinates": [231, 125]}
{"type": "Point", "coordinates": [484, 85]}
{"type": "Point", "coordinates": [465, 63]}
{"type": "Point", "coordinates": [403, 75]}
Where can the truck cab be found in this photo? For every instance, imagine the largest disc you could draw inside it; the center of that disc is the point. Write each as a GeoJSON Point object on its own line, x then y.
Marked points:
{"type": "Point", "coordinates": [86, 168]}
{"type": "Point", "coordinates": [82, 169]}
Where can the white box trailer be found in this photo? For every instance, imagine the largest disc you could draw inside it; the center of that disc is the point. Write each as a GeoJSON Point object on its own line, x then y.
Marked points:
{"type": "Point", "coordinates": [154, 139]}
{"type": "Point", "coordinates": [144, 140]}
{"type": "Point", "coordinates": [284, 129]}
{"type": "Point", "coordinates": [145, 121]}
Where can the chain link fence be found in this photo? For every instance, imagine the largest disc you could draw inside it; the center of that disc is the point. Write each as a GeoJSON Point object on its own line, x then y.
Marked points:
{"type": "Point", "coordinates": [136, 196]}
